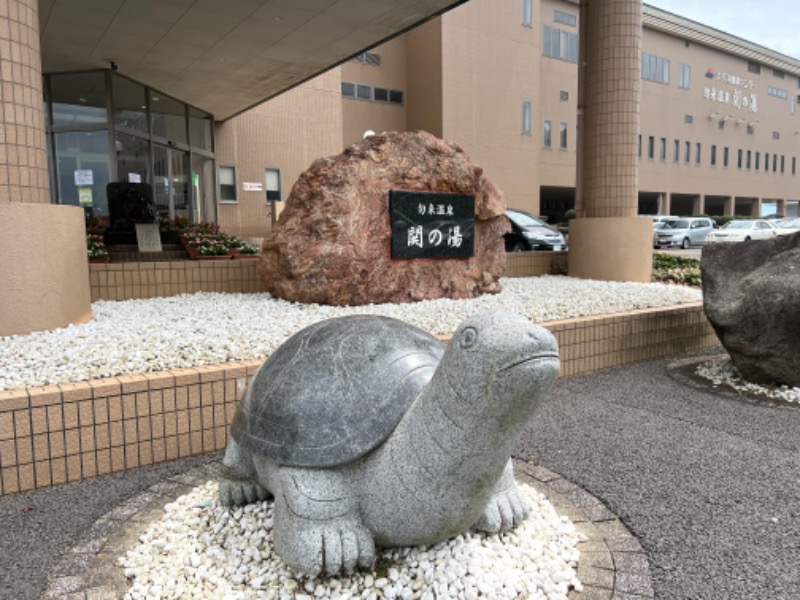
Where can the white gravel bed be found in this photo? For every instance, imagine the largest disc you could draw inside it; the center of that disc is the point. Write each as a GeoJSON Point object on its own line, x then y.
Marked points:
{"type": "Point", "coordinates": [138, 336]}
{"type": "Point", "coordinates": [200, 549]}
{"type": "Point", "coordinates": [722, 371]}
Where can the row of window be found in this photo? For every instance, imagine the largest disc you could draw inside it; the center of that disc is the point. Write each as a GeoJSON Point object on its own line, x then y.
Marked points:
{"type": "Point", "coordinates": [746, 159]}
{"type": "Point", "coordinates": [374, 94]}
{"type": "Point", "coordinates": [547, 128]}
{"type": "Point", "coordinates": [228, 189]}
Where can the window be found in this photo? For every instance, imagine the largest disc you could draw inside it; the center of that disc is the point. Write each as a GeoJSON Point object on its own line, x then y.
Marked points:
{"type": "Point", "coordinates": [227, 184]}
{"type": "Point", "coordinates": [527, 12]}
{"type": "Point", "coordinates": [758, 160]}
{"type": "Point", "coordinates": [655, 68]}
{"type": "Point", "coordinates": [563, 96]}
{"type": "Point", "coordinates": [777, 92]}
{"type": "Point", "coordinates": [684, 75]}
{"type": "Point", "coordinates": [677, 151]}
{"type": "Point", "coordinates": [794, 165]}
{"type": "Point", "coordinates": [563, 136]}
{"type": "Point", "coordinates": [688, 118]}
{"type": "Point", "coordinates": [639, 149]}
{"type": "Point", "coordinates": [560, 44]}
{"type": "Point", "coordinates": [348, 89]}
{"type": "Point", "coordinates": [381, 94]}
{"type": "Point", "coordinates": [775, 163]}
{"type": "Point", "coordinates": [687, 152]}
{"type": "Point", "coordinates": [697, 154]}
{"type": "Point", "coordinates": [778, 73]}
{"type": "Point", "coordinates": [753, 67]}
{"type": "Point", "coordinates": [651, 147]}
{"type": "Point", "coordinates": [725, 157]}
{"type": "Point", "coordinates": [662, 149]}
{"type": "Point", "coordinates": [739, 159]}
{"type": "Point", "coordinates": [783, 163]}
{"type": "Point", "coordinates": [272, 184]}
{"type": "Point", "coordinates": [526, 117]}
{"type": "Point", "coordinates": [713, 156]}
{"type": "Point", "coordinates": [395, 97]}
{"type": "Point", "coordinates": [776, 135]}
{"type": "Point", "coordinates": [749, 157]}
{"type": "Point", "coordinates": [546, 132]}
{"type": "Point", "coordinates": [368, 58]}
{"type": "Point", "coordinates": [566, 18]}
{"type": "Point", "coordinates": [364, 91]}
{"type": "Point", "coordinates": [766, 162]}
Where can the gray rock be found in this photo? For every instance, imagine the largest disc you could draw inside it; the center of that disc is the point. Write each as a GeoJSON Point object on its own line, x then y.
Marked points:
{"type": "Point", "coordinates": [751, 296]}
{"type": "Point", "coordinates": [367, 431]}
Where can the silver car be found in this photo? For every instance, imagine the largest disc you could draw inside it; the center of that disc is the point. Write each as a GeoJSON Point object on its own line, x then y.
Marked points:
{"type": "Point", "coordinates": [685, 232]}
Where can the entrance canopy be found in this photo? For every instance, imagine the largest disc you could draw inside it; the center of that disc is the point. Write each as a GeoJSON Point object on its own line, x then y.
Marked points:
{"type": "Point", "coordinates": [223, 56]}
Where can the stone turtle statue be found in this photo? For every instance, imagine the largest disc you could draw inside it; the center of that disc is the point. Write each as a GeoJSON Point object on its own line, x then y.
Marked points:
{"type": "Point", "coordinates": [368, 431]}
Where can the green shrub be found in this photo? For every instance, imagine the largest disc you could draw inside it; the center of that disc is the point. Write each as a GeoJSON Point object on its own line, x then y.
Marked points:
{"type": "Point", "coordinates": [668, 268]}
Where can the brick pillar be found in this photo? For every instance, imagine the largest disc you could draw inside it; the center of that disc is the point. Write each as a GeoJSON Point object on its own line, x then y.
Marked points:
{"type": "Point", "coordinates": [23, 154]}
{"type": "Point", "coordinates": [43, 263]}
{"type": "Point", "coordinates": [608, 240]}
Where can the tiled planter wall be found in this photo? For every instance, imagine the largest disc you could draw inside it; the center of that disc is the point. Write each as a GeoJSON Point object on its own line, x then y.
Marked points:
{"type": "Point", "coordinates": [69, 432]}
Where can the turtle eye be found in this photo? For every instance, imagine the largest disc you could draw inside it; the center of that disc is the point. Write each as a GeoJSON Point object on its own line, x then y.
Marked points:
{"type": "Point", "coordinates": [469, 337]}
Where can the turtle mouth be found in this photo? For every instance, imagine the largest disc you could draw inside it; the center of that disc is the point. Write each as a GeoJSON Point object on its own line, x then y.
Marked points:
{"type": "Point", "coordinates": [530, 359]}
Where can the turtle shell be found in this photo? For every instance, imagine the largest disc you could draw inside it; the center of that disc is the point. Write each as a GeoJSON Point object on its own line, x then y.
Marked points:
{"type": "Point", "coordinates": [335, 390]}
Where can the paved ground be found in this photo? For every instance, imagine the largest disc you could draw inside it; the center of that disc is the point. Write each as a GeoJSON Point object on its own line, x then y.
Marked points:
{"type": "Point", "coordinates": [709, 485]}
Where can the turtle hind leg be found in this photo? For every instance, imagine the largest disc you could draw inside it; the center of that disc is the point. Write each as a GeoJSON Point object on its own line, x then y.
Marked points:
{"type": "Point", "coordinates": [238, 482]}
{"type": "Point", "coordinates": [317, 523]}
{"type": "Point", "coordinates": [506, 508]}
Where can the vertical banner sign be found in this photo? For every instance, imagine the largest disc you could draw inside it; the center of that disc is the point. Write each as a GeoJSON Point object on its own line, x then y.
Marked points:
{"type": "Point", "coordinates": [432, 225]}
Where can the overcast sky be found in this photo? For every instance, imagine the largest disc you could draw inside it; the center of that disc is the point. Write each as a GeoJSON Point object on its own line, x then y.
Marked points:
{"type": "Point", "coordinates": [771, 23]}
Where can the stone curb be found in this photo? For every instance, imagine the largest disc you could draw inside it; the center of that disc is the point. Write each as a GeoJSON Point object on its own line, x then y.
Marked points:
{"type": "Point", "coordinates": [613, 565]}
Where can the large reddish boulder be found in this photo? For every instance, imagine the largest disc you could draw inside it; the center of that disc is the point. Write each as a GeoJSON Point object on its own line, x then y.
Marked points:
{"type": "Point", "coordinates": [331, 244]}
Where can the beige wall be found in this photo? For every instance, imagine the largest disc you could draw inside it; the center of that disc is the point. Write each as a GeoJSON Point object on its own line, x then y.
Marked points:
{"type": "Point", "coordinates": [424, 76]}
{"type": "Point", "coordinates": [287, 133]}
{"type": "Point", "coordinates": [360, 115]}
{"type": "Point", "coordinates": [44, 271]}
{"type": "Point", "coordinates": [489, 67]}
{"type": "Point", "coordinates": [663, 113]}
{"type": "Point", "coordinates": [557, 166]}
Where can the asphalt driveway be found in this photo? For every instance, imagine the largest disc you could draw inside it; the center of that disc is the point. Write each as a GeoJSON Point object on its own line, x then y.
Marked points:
{"type": "Point", "coordinates": [709, 484]}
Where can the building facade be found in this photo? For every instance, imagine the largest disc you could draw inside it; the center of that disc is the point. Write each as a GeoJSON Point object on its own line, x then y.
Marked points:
{"type": "Point", "coordinates": [718, 122]}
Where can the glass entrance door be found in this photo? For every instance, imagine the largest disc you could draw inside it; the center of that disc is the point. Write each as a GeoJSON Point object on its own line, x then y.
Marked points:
{"type": "Point", "coordinates": [171, 182]}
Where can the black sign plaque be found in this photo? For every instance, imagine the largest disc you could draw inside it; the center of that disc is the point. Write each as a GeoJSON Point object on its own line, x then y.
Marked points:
{"type": "Point", "coordinates": [432, 225]}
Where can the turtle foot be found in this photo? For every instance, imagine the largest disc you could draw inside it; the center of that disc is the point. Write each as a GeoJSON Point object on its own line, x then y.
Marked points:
{"type": "Point", "coordinates": [505, 510]}
{"type": "Point", "coordinates": [234, 492]}
{"type": "Point", "coordinates": [333, 546]}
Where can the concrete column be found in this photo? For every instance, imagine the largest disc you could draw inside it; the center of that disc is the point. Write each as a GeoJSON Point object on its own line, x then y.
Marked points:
{"type": "Point", "coordinates": [729, 207]}
{"type": "Point", "coordinates": [43, 261]}
{"type": "Point", "coordinates": [700, 205]}
{"type": "Point", "coordinates": [780, 207]}
{"type": "Point", "coordinates": [665, 206]}
{"type": "Point", "coordinates": [609, 82]}
{"type": "Point", "coordinates": [757, 207]}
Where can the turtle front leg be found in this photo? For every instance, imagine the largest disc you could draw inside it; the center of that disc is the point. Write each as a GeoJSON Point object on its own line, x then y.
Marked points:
{"type": "Point", "coordinates": [506, 508]}
{"type": "Point", "coordinates": [317, 525]}
{"type": "Point", "coordinates": [238, 483]}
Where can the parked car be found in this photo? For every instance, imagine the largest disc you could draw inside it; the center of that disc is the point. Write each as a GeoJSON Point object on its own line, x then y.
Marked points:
{"type": "Point", "coordinates": [663, 219]}
{"type": "Point", "coordinates": [529, 233]}
{"type": "Point", "coordinates": [743, 231]}
{"type": "Point", "coordinates": [787, 226]}
{"type": "Point", "coordinates": [684, 232]}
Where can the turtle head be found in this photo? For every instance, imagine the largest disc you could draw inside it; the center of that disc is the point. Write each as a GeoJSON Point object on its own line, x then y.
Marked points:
{"type": "Point", "coordinates": [501, 364]}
